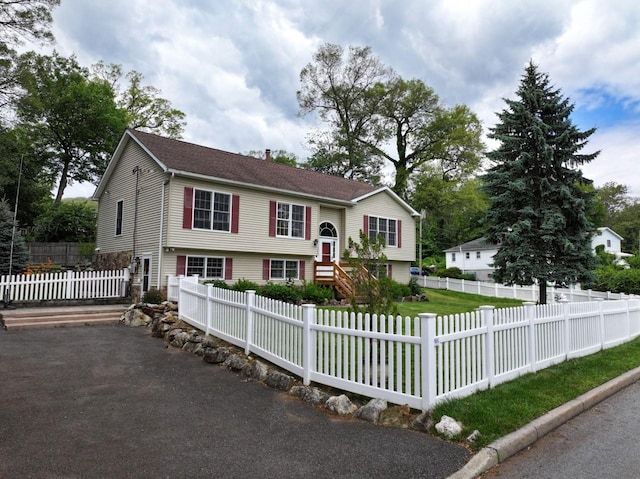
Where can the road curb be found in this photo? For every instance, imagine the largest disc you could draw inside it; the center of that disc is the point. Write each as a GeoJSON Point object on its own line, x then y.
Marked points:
{"type": "Point", "coordinates": [509, 445]}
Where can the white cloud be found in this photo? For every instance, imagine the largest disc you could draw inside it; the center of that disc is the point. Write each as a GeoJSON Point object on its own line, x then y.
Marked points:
{"type": "Point", "coordinates": [233, 66]}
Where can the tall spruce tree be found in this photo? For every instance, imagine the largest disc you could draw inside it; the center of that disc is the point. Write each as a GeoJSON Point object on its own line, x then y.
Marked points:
{"type": "Point", "coordinates": [538, 212]}
{"type": "Point", "coordinates": [14, 257]}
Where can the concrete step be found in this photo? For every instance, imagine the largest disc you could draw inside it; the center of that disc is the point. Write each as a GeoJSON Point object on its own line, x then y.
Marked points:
{"type": "Point", "coordinates": [32, 318]}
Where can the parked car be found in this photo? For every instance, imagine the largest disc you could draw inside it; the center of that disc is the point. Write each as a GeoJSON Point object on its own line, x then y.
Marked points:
{"type": "Point", "coordinates": [414, 270]}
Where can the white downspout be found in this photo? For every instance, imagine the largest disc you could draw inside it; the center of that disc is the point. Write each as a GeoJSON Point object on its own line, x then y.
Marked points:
{"type": "Point", "coordinates": [159, 279]}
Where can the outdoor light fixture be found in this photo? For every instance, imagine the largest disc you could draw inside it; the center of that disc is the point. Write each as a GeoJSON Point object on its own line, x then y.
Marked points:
{"type": "Point", "coordinates": [315, 242]}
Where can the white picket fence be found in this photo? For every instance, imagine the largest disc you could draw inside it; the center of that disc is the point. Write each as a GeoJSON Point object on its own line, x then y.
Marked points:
{"type": "Point", "coordinates": [524, 293]}
{"type": "Point", "coordinates": [414, 361]}
{"type": "Point", "coordinates": [68, 285]}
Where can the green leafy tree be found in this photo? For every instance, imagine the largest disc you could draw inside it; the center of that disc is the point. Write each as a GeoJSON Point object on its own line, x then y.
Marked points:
{"type": "Point", "coordinates": [20, 21]}
{"type": "Point", "coordinates": [375, 116]}
{"type": "Point", "coordinates": [626, 223]}
{"type": "Point", "coordinates": [338, 89]}
{"type": "Point", "coordinates": [72, 121]}
{"type": "Point", "coordinates": [423, 132]}
{"type": "Point", "coordinates": [538, 212]}
{"type": "Point", "coordinates": [454, 210]}
{"type": "Point", "coordinates": [72, 221]}
{"type": "Point", "coordinates": [367, 263]}
{"type": "Point", "coordinates": [35, 183]}
{"type": "Point", "coordinates": [13, 258]}
{"type": "Point", "coordinates": [146, 109]}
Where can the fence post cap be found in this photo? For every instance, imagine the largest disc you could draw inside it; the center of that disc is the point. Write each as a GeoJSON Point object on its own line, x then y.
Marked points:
{"type": "Point", "coordinates": [486, 307]}
{"type": "Point", "coordinates": [427, 315]}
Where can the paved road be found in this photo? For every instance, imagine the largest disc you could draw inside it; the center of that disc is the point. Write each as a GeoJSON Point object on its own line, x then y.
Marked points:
{"type": "Point", "coordinates": [110, 401]}
{"type": "Point", "coordinates": [599, 443]}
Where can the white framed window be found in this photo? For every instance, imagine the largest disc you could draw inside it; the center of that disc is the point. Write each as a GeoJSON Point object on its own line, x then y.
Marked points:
{"type": "Point", "coordinates": [385, 227]}
{"type": "Point", "coordinates": [119, 215]}
{"type": "Point", "coordinates": [211, 210]}
{"type": "Point", "coordinates": [284, 269]}
{"type": "Point", "coordinates": [290, 220]}
{"type": "Point", "coordinates": [205, 267]}
{"type": "Point", "coordinates": [453, 257]}
{"type": "Point", "coordinates": [477, 254]}
{"type": "Point", "coordinates": [608, 243]}
{"type": "Point", "coordinates": [467, 255]}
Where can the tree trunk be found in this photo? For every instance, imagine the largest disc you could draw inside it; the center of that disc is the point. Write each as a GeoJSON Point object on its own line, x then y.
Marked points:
{"type": "Point", "coordinates": [543, 292]}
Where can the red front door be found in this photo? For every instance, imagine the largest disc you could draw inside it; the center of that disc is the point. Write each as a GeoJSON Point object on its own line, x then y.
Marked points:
{"type": "Point", "coordinates": [326, 252]}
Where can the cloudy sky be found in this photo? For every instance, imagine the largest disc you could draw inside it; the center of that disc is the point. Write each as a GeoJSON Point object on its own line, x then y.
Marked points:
{"type": "Point", "coordinates": [233, 65]}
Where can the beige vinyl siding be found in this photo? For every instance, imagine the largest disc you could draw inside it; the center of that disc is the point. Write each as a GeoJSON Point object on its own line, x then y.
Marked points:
{"type": "Point", "coordinates": [383, 205]}
{"type": "Point", "coordinates": [253, 226]}
{"type": "Point", "coordinates": [245, 265]}
{"type": "Point", "coordinates": [121, 186]}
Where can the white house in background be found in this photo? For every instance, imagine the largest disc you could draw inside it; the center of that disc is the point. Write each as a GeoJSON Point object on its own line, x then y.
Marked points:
{"type": "Point", "coordinates": [476, 256]}
{"type": "Point", "coordinates": [611, 241]}
{"type": "Point", "coordinates": [473, 257]}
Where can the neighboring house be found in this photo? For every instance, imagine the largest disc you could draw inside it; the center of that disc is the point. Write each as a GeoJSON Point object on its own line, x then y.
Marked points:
{"type": "Point", "coordinates": [170, 207]}
{"type": "Point", "coordinates": [611, 240]}
{"type": "Point", "coordinates": [472, 257]}
{"type": "Point", "coordinates": [477, 255]}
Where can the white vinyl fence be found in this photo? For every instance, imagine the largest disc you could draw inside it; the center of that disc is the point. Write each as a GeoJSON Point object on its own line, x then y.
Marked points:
{"type": "Point", "coordinates": [525, 293]}
{"type": "Point", "coordinates": [414, 361]}
{"type": "Point", "coordinates": [64, 285]}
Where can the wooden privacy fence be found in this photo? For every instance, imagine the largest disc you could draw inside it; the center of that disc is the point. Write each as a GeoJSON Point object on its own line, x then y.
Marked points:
{"type": "Point", "coordinates": [66, 254]}
{"type": "Point", "coordinates": [525, 293]}
{"type": "Point", "coordinates": [67, 285]}
{"type": "Point", "coordinates": [414, 361]}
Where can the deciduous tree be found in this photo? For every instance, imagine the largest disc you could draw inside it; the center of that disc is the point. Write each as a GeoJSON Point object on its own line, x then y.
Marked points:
{"type": "Point", "coordinates": [72, 120]}
{"type": "Point", "coordinates": [538, 212]}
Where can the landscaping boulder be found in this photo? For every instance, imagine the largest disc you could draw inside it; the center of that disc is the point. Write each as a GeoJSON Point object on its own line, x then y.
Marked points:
{"type": "Point", "coordinates": [310, 394]}
{"type": "Point", "coordinates": [255, 370]}
{"type": "Point", "coordinates": [215, 355]}
{"type": "Point", "coordinates": [449, 427]}
{"type": "Point", "coordinates": [341, 405]}
{"type": "Point", "coordinates": [278, 380]}
{"type": "Point", "coordinates": [371, 411]}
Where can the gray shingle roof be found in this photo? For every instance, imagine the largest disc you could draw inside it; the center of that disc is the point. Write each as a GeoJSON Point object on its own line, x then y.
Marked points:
{"type": "Point", "coordinates": [478, 244]}
{"type": "Point", "coordinates": [184, 157]}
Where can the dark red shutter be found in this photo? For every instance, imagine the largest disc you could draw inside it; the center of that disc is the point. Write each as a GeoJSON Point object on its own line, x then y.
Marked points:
{"type": "Point", "coordinates": [399, 233]}
{"type": "Point", "coordinates": [235, 213]}
{"type": "Point", "coordinates": [389, 271]}
{"type": "Point", "coordinates": [187, 208]}
{"type": "Point", "coordinates": [366, 225]}
{"type": "Point", "coordinates": [265, 269]}
{"type": "Point", "coordinates": [181, 265]}
{"type": "Point", "coordinates": [301, 270]}
{"type": "Point", "coordinates": [307, 223]}
{"type": "Point", "coordinates": [228, 268]}
{"type": "Point", "coordinates": [272, 218]}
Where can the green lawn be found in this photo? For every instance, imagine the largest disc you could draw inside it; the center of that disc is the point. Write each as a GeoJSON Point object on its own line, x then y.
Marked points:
{"type": "Point", "coordinates": [443, 302]}
{"type": "Point", "coordinates": [509, 406]}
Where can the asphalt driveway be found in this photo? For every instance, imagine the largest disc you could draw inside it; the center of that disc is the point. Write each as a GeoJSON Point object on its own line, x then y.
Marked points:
{"type": "Point", "coordinates": [110, 401]}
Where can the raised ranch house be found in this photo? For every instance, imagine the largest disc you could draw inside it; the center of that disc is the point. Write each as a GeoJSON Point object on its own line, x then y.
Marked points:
{"type": "Point", "coordinates": [477, 255]}
{"type": "Point", "coordinates": [168, 207]}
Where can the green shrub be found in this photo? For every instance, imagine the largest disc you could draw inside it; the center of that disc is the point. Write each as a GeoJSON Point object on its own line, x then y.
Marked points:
{"type": "Point", "coordinates": [245, 285]}
{"type": "Point", "coordinates": [217, 283]}
{"type": "Point", "coordinates": [454, 272]}
{"type": "Point", "coordinates": [316, 293]}
{"type": "Point", "coordinates": [281, 292]}
{"type": "Point", "coordinates": [153, 296]}
{"type": "Point", "coordinates": [414, 287]}
{"type": "Point", "coordinates": [395, 289]}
